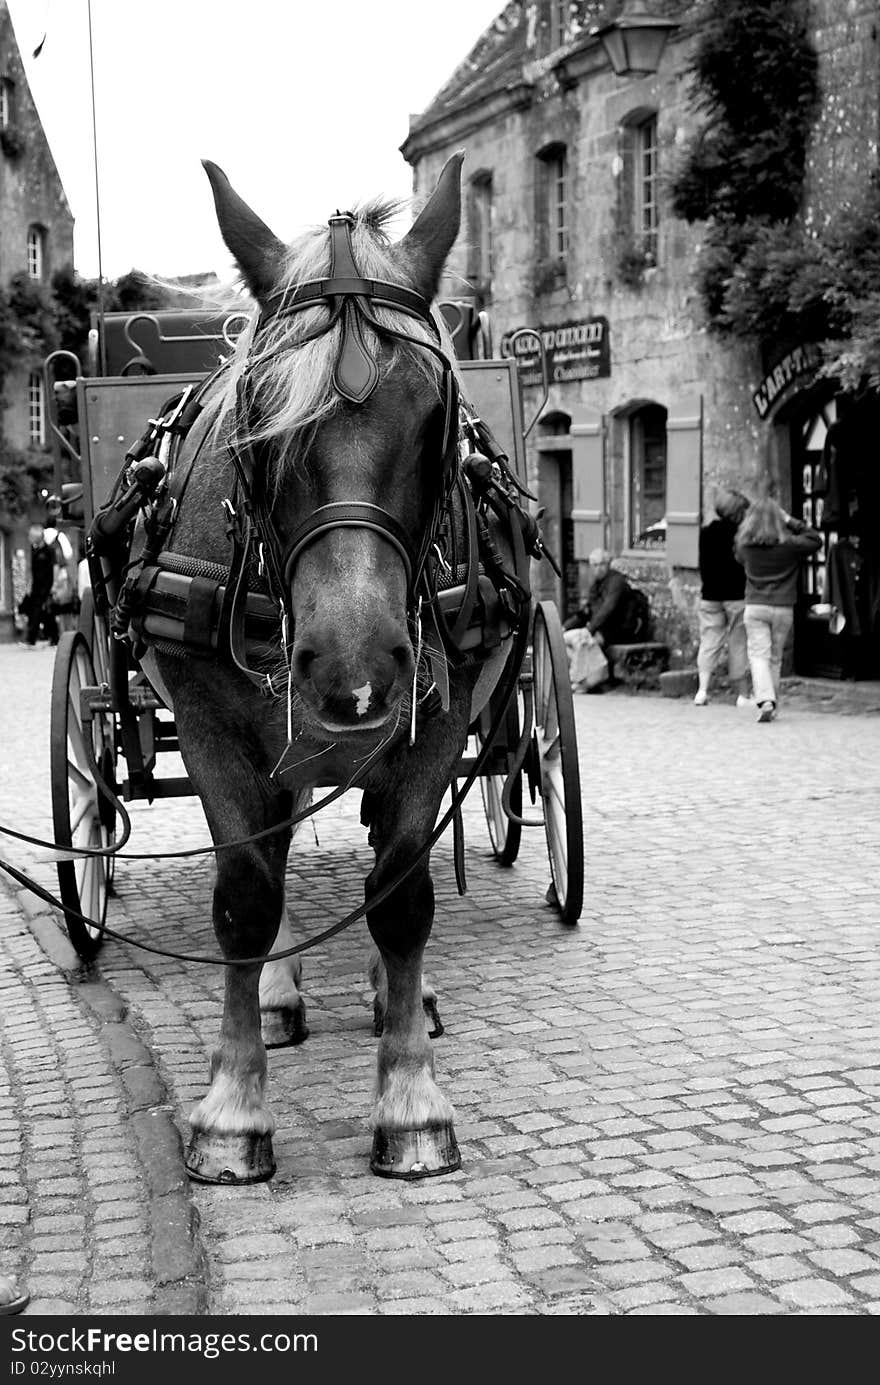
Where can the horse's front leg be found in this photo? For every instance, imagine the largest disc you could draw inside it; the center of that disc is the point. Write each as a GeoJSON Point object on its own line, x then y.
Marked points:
{"type": "Point", "coordinates": [232, 1125]}
{"type": "Point", "coordinates": [413, 1134]}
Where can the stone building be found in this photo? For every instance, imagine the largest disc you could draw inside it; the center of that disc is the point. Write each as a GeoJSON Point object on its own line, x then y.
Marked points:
{"type": "Point", "coordinates": [36, 239]}
{"type": "Point", "coordinates": [571, 116]}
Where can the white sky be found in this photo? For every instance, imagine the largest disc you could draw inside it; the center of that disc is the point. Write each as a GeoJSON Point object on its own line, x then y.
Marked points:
{"type": "Point", "coordinates": [303, 103]}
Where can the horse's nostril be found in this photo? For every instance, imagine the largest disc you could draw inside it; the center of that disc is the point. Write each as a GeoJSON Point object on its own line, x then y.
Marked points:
{"type": "Point", "coordinates": [401, 654]}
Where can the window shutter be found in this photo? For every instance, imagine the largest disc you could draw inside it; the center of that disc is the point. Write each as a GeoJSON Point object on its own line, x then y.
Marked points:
{"type": "Point", "coordinates": [587, 435]}
{"type": "Point", "coordinates": [684, 478]}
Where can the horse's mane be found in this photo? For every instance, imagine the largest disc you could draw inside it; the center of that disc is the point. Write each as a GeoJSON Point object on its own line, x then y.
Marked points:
{"type": "Point", "coordinates": [292, 380]}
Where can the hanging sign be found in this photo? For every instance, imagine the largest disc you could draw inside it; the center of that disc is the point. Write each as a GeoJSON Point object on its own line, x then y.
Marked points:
{"type": "Point", "coordinates": [801, 361]}
{"type": "Point", "coordinates": [575, 351]}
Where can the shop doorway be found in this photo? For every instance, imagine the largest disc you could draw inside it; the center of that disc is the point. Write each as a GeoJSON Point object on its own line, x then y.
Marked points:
{"type": "Point", "coordinates": [557, 528]}
{"type": "Point", "coordinates": [835, 490]}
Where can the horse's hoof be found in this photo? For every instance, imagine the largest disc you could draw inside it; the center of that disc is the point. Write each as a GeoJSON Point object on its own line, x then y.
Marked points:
{"type": "Point", "coordinates": [415, 1153]}
{"type": "Point", "coordinates": [236, 1159]}
{"type": "Point", "coordinates": [283, 1028]}
{"type": "Point", "coordinates": [433, 1016]}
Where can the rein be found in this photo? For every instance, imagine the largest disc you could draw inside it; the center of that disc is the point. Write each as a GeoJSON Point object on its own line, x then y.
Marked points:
{"type": "Point", "coordinates": [512, 669]}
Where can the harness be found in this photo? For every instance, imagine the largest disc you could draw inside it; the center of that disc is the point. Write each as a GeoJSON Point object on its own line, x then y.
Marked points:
{"type": "Point", "coordinates": [463, 597]}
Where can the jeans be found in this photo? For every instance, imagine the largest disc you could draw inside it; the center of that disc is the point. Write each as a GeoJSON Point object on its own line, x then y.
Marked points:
{"type": "Point", "coordinates": [720, 620]}
{"type": "Point", "coordinates": [767, 630]}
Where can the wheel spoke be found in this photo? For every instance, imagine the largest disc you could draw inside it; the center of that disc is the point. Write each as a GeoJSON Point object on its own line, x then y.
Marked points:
{"type": "Point", "coordinates": [77, 743]}
{"type": "Point", "coordinates": [75, 774]}
{"type": "Point", "coordinates": [80, 805]}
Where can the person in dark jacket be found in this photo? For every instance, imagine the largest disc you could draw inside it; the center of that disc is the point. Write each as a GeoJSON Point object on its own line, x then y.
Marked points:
{"type": "Point", "coordinates": [770, 545]}
{"type": "Point", "coordinates": [610, 612]}
{"type": "Point", "coordinates": [722, 600]}
{"type": "Point", "coordinates": [38, 606]}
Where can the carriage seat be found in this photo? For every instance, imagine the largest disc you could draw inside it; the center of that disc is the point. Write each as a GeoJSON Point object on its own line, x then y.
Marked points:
{"type": "Point", "coordinates": [638, 665]}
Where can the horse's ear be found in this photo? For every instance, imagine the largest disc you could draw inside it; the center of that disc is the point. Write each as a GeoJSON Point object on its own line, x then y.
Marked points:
{"type": "Point", "coordinates": [432, 235]}
{"type": "Point", "coordinates": [258, 252]}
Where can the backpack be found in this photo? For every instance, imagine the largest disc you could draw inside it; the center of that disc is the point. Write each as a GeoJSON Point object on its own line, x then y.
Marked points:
{"type": "Point", "coordinates": [640, 622]}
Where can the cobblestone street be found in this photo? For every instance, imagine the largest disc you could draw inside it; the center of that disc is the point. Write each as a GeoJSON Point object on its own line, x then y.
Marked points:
{"type": "Point", "coordinates": [672, 1108]}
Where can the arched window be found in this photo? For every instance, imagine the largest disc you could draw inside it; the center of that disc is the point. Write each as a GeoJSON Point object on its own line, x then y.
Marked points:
{"type": "Point", "coordinates": [36, 247]}
{"type": "Point", "coordinates": [36, 409]}
{"type": "Point", "coordinates": [647, 477]}
{"type": "Point", "coordinates": [481, 231]}
{"type": "Point", "coordinates": [639, 204]}
{"type": "Point", "coordinates": [553, 204]}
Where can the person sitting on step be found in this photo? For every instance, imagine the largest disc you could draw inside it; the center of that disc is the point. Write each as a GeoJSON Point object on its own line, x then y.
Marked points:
{"type": "Point", "coordinates": [614, 612]}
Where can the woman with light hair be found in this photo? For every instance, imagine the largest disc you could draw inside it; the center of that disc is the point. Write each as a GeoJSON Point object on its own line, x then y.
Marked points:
{"type": "Point", "coordinates": [770, 545]}
{"type": "Point", "coordinates": [722, 600]}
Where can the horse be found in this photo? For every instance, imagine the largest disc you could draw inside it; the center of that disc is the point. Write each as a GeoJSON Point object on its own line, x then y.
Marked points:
{"type": "Point", "coordinates": [327, 453]}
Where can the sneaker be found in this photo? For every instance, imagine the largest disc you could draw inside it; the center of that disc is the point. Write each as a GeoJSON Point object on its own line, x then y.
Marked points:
{"type": "Point", "coordinates": [744, 701]}
{"type": "Point", "coordinates": [766, 711]}
{"type": "Point", "coordinates": [700, 698]}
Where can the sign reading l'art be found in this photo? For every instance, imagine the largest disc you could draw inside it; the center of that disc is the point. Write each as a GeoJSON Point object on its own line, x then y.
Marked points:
{"type": "Point", "coordinates": [801, 361]}
{"type": "Point", "coordinates": [575, 351]}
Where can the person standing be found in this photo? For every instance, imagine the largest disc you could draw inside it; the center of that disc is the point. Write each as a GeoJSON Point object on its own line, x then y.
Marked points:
{"type": "Point", "coordinates": [722, 599]}
{"type": "Point", "coordinates": [38, 599]}
{"type": "Point", "coordinates": [770, 545]}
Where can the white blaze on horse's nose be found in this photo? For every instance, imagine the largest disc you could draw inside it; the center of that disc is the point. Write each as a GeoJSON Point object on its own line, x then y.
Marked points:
{"type": "Point", "coordinates": [362, 698]}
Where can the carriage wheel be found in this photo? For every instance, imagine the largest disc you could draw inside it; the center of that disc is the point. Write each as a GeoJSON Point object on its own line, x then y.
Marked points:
{"type": "Point", "coordinates": [95, 630]}
{"type": "Point", "coordinates": [503, 834]}
{"type": "Point", "coordinates": [556, 761]}
{"type": "Point", "coordinates": [81, 814]}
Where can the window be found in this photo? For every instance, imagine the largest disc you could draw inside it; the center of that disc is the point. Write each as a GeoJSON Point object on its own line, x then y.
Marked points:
{"type": "Point", "coordinates": [6, 103]}
{"type": "Point", "coordinates": [645, 190]}
{"type": "Point", "coordinates": [639, 186]}
{"type": "Point", "coordinates": [36, 409]}
{"type": "Point", "coordinates": [647, 477]}
{"type": "Point", "coordinates": [36, 238]}
{"type": "Point", "coordinates": [560, 12]}
{"type": "Point", "coordinates": [482, 212]}
{"type": "Point", "coordinates": [553, 174]}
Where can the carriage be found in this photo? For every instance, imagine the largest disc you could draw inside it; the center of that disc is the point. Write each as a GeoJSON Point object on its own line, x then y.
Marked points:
{"type": "Point", "coordinates": [102, 699]}
{"type": "Point", "coordinates": [452, 640]}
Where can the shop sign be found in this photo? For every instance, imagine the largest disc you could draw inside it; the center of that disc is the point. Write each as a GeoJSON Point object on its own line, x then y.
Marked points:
{"type": "Point", "coordinates": [801, 361]}
{"type": "Point", "coordinates": [575, 351]}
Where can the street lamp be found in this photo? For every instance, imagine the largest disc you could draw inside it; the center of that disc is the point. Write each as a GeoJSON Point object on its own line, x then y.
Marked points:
{"type": "Point", "coordinates": [634, 43]}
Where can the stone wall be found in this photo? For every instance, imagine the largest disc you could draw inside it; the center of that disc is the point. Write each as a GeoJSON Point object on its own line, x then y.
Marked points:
{"type": "Point", "coordinates": [844, 144]}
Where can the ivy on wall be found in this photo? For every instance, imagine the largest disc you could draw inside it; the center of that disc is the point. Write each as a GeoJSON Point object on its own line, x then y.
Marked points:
{"type": "Point", "coordinates": [755, 86]}
{"type": "Point", "coordinates": [766, 273]}
{"type": "Point", "coordinates": [36, 319]}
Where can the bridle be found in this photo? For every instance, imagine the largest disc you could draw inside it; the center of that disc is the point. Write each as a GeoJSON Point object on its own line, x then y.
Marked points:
{"type": "Point", "coordinates": [351, 300]}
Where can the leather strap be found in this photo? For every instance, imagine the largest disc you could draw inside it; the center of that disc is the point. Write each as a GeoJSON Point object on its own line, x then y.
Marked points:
{"type": "Point", "coordinates": [343, 514]}
{"type": "Point", "coordinates": [380, 291]}
{"type": "Point", "coordinates": [472, 583]}
{"type": "Point", "coordinates": [198, 622]}
{"type": "Point", "coordinates": [458, 843]}
{"type": "Point", "coordinates": [356, 373]}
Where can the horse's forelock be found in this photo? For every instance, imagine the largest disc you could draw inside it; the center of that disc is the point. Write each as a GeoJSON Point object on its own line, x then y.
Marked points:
{"type": "Point", "coordinates": [294, 382]}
